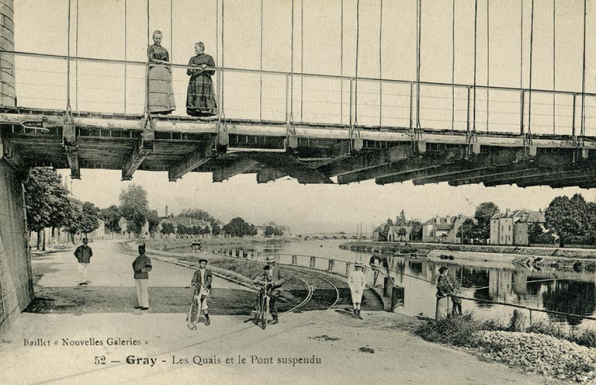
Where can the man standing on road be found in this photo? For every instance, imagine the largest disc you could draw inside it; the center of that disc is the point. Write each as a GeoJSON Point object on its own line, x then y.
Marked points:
{"type": "Point", "coordinates": [83, 254]}
{"type": "Point", "coordinates": [141, 267]}
{"type": "Point", "coordinates": [202, 282]}
{"type": "Point", "coordinates": [271, 274]}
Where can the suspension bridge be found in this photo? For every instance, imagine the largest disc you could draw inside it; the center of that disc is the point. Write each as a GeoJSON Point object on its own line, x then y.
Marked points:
{"type": "Point", "coordinates": [309, 126]}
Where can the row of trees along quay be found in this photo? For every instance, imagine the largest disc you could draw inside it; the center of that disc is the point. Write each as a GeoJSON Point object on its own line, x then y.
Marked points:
{"type": "Point", "coordinates": [567, 221]}
{"type": "Point", "coordinates": [49, 204]}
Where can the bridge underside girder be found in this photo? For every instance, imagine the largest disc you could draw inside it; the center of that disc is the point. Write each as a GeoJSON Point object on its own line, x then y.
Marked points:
{"type": "Point", "coordinates": [181, 145]}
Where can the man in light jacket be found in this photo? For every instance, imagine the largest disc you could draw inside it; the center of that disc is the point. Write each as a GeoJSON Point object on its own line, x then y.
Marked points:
{"type": "Point", "coordinates": [141, 267]}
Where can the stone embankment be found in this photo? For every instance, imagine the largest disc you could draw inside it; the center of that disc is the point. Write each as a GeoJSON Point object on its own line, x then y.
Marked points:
{"type": "Point", "coordinates": [396, 247]}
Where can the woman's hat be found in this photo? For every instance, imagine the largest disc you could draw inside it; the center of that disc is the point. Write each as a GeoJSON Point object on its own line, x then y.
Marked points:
{"type": "Point", "coordinates": [271, 258]}
{"type": "Point", "coordinates": [203, 260]}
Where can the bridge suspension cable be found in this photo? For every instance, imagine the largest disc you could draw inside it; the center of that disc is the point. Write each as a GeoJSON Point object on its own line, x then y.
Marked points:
{"type": "Point", "coordinates": [341, 65]}
{"type": "Point", "coordinates": [583, 116]}
{"type": "Point", "coordinates": [418, 64]}
{"type": "Point", "coordinates": [355, 121]}
{"type": "Point", "coordinates": [475, 56]}
{"type": "Point", "coordinates": [452, 64]}
{"type": "Point", "coordinates": [261, 68]}
{"type": "Point", "coordinates": [301, 58]}
{"type": "Point", "coordinates": [554, 64]}
{"type": "Point", "coordinates": [531, 67]}
{"type": "Point", "coordinates": [487, 63]}
{"type": "Point", "coordinates": [381, 64]}
{"type": "Point", "coordinates": [68, 109]}
{"type": "Point", "coordinates": [125, 50]}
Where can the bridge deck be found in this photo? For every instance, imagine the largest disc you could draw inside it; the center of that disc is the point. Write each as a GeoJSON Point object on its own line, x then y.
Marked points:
{"type": "Point", "coordinates": [34, 137]}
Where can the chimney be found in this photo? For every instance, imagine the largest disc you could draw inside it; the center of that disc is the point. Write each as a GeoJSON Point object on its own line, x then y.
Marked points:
{"type": "Point", "coordinates": [166, 211]}
{"type": "Point", "coordinates": [507, 211]}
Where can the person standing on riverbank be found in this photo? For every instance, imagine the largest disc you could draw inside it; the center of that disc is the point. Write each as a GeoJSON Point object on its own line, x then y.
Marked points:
{"type": "Point", "coordinates": [376, 262]}
{"type": "Point", "coordinates": [141, 267]}
{"type": "Point", "coordinates": [357, 282]}
{"type": "Point", "coordinates": [444, 288]}
{"type": "Point", "coordinates": [83, 254]}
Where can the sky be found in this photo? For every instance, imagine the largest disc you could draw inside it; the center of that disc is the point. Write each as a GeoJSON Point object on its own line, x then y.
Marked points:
{"type": "Point", "coordinates": [312, 208]}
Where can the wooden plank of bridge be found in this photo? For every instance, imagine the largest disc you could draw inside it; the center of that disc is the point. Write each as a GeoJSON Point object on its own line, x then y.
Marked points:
{"type": "Point", "coordinates": [430, 160]}
{"type": "Point", "coordinates": [293, 167]}
{"type": "Point", "coordinates": [368, 160]}
{"type": "Point", "coordinates": [196, 159]}
{"type": "Point", "coordinates": [240, 166]}
{"type": "Point", "coordinates": [142, 148]}
{"type": "Point", "coordinates": [269, 174]}
{"type": "Point", "coordinates": [481, 162]}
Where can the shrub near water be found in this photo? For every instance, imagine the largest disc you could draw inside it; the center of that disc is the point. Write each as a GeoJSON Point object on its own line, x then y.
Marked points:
{"type": "Point", "coordinates": [453, 330]}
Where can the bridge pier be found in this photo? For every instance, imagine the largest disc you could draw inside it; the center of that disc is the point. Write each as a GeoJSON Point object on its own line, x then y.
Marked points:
{"type": "Point", "coordinates": [16, 284]}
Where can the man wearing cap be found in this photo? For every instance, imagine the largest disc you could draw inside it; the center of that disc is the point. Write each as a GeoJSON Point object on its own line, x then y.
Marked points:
{"type": "Point", "coordinates": [202, 283]}
{"type": "Point", "coordinates": [83, 254]}
{"type": "Point", "coordinates": [273, 274]}
{"type": "Point", "coordinates": [141, 267]}
{"type": "Point", "coordinates": [357, 282]}
{"type": "Point", "coordinates": [376, 262]}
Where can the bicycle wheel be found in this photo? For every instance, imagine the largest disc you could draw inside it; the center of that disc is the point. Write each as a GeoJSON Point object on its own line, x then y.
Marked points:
{"type": "Point", "coordinates": [265, 313]}
{"type": "Point", "coordinates": [190, 320]}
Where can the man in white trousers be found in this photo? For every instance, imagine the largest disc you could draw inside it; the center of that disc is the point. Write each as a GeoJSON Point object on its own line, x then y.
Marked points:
{"type": "Point", "coordinates": [141, 267]}
{"type": "Point", "coordinates": [83, 254]}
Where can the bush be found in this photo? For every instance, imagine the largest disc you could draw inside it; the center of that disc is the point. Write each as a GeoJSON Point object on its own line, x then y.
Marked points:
{"type": "Point", "coordinates": [457, 330]}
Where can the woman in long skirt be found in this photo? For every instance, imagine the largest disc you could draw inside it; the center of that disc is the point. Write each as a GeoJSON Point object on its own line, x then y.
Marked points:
{"type": "Point", "coordinates": [200, 97]}
{"type": "Point", "coordinates": [357, 282]}
{"type": "Point", "coordinates": [161, 94]}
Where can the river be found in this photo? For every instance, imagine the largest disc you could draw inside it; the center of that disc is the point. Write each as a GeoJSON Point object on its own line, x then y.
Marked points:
{"type": "Point", "coordinates": [485, 276]}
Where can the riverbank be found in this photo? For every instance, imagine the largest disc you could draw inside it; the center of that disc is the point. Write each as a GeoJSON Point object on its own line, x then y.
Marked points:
{"type": "Point", "coordinates": [413, 247]}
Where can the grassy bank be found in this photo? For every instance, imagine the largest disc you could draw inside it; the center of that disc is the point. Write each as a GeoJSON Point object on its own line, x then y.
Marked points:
{"type": "Point", "coordinates": [543, 348]}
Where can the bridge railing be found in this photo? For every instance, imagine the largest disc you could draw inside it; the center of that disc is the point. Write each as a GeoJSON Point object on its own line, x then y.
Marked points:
{"type": "Point", "coordinates": [116, 86]}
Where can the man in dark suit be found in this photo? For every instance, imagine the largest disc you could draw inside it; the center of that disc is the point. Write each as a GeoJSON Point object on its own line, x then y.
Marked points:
{"type": "Point", "coordinates": [272, 274]}
{"type": "Point", "coordinates": [83, 254]}
{"type": "Point", "coordinates": [202, 283]}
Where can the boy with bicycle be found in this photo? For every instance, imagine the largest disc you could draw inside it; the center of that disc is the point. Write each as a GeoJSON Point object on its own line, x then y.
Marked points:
{"type": "Point", "coordinates": [202, 282]}
{"type": "Point", "coordinates": [273, 275]}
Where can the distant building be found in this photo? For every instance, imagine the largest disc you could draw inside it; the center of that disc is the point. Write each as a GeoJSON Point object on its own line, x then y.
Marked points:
{"type": "Point", "coordinates": [511, 227]}
{"type": "Point", "coordinates": [443, 229]}
{"type": "Point", "coordinates": [399, 234]}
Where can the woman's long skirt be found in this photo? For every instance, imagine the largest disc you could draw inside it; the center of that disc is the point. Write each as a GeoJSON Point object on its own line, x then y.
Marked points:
{"type": "Point", "coordinates": [161, 93]}
{"type": "Point", "coordinates": [200, 97]}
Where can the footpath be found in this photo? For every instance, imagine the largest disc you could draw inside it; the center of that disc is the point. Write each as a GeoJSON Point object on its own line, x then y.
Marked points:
{"type": "Point", "coordinates": [92, 335]}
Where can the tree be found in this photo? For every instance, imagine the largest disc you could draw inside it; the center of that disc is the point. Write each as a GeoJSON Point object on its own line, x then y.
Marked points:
{"type": "Point", "coordinates": [183, 230]}
{"type": "Point", "coordinates": [468, 231]}
{"type": "Point", "coordinates": [269, 231]}
{"type": "Point", "coordinates": [401, 220]}
{"type": "Point", "coordinates": [73, 215]}
{"type": "Point", "coordinates": [277, 232]}
{"type": "Point", "coordinates": [416, 230]}
{"type": "Point", "coordinates": [239, 228]}
{"type": "Point", "coordinates": [89, 219]}
{"type": "Point", "coordinates": [111, 217]}
{"type": "Point", "coordinates": [167, 228]}
{"type": "Point", "coordinates": [483, 214]}
{"type": "Point", "coordinates": [537, 235]}
{"type": "Point", "coordinates": [153, 220]}
{"type": "Point", "coordinates": [566, 218]}
{"type": "Point", "coordinates": [402, 233]}
{"type": "Point", "coordinates": [134, 207]}
{"type": "Point", "coordinates": [46, 201]}
{"type": "Point", "coordinates": [216, 230]}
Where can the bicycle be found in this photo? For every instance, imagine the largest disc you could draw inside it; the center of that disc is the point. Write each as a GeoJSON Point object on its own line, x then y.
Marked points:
{"type": "Point", "coordinates": [195, 308]}
{"type": "Point", "coordinates": [262, 310]}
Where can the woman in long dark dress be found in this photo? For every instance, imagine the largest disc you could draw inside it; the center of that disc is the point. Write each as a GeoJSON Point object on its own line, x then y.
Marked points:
{"type": "Point", "coordinates": [200, 97]}
{"type": "Point", "coordinates": [161, 94]}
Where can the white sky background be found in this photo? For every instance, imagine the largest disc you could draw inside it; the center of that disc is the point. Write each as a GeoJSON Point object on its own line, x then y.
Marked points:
{"type": "Point", "coordinates": [40, 26]}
